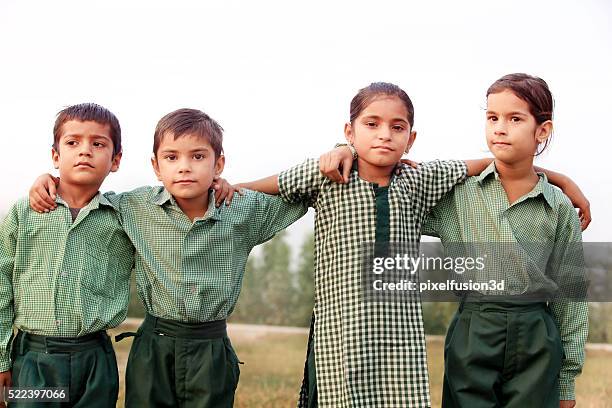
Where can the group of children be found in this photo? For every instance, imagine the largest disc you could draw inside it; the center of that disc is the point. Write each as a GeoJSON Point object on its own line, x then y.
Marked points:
{"type": "Point", "coordinates": [66, 258]}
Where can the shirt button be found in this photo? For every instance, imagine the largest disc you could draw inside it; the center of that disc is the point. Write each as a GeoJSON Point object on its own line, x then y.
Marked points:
{"type": "Point", "coordinates": [57, 322]}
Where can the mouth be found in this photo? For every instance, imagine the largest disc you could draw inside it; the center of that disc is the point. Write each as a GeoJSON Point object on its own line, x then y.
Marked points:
{"type": "Point", "coordinates": [501, 144]}
{"type": "Point", "coordinates": [83, 164]}
{"type": "Point", "coordinates": [184, 182]}
{"type": "Point", "coordinates": [384, 148]}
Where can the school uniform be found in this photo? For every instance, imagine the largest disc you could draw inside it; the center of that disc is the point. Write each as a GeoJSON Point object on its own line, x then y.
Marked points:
{"type": "Point", "coordinates": [521, 346]}
{"type": "Point", "coordinates": [63, 283]}
{"type": "Point", "coordinates": [189, 275]}
{"type": "Point", "coordinates": [365, 353]}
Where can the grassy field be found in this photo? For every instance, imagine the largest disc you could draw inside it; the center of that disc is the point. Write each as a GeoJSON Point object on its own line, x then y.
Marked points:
{"type": "Point", "coordinates": [274, 362]}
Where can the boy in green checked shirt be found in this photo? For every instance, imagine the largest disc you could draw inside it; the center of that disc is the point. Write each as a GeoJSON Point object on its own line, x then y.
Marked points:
{"type": "Point", "coordinates": [64, 276]}
{"type": "Point", "coordinates": [190, 260]}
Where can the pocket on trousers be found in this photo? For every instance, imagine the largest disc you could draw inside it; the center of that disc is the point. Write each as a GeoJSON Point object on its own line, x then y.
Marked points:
{"type": "Point", "coordinates": [233, 362]}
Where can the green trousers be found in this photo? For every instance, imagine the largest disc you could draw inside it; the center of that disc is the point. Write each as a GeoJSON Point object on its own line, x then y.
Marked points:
{"type": "Point", "coordinates": [175, 364]}
{"type": "Point", "coordinates": [87, 366]}
{"type": "Point", "coordinates": [502, 355]}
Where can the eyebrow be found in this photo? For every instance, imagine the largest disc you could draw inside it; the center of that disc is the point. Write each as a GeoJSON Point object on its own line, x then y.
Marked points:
{"type": "Point", "coordinates": [198, 149]}
{"type": "Point", "coordinates": [81, 135]}
{"type": "Point", "coordinates": [513, 113]}
{"type": "Point", "coordinates": [378, 117]}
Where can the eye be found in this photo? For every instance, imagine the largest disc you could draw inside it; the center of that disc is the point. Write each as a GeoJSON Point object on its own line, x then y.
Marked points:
{"type": "Point", "coordinates": [492, 118]}
{"type": "Point", "coordinates": [71, 142]}
{"type": "Point", "coordinates": [170, 157]}
{"type": "Point", "coordinates": [370, 124]}
{"type": "Point", "coordinates": [98, 144]}
{"type": "Point", "coordinates": [198, 156]}
{"type": "Point", "coordinates": [515, 119]}
{"type": "Point", "coordinates": [398, 128]}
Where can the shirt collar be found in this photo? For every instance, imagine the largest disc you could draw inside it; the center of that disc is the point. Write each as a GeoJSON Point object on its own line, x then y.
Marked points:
{"type": "Point", "coordinates": [542, 187]}
{"type": "Point", "coordinates": [94, 203]}
{"type": "Point", "coordinates": [163, 196]}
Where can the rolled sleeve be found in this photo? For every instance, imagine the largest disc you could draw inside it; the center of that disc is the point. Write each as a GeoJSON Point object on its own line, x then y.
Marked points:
{"type": "Point", "coordinates": [301, 183]}
{"type": "Point", "coordinates": [438, 178]}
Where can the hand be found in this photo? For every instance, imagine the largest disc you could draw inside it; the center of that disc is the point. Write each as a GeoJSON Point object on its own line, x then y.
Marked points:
{"type": "Point", "coordinates": [408, 162]}
{"type": "Point", "coordinates": [5, 381]}
{"type": "Point", "coordinates": [567, 404]}
{"type": "Point", "coordinates": [579, 201]}
{"type": "Point", "coordinates": [42, 193]}
{"type": "Point", "coordinates": [224, 191]}
{"type": "Point", "coordinates": [331, 162]}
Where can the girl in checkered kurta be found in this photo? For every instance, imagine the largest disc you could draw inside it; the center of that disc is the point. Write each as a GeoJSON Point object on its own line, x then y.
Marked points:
{"type": "Point", "coordinates": [368, 354]}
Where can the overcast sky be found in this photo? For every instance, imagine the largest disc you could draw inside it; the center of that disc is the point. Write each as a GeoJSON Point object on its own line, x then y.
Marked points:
{"type": "Point", "coordinates": [279, 77]}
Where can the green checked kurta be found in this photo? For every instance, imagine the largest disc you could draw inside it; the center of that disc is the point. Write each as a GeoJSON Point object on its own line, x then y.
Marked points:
{"type": "Point", "coordinates": [478, 211]}
{"type": "Point", "coordinates": [192, 271]}
{"type": "Point", "coordinates": [62, 278]}
{"type": "Point", "coordinates": [368, 354]}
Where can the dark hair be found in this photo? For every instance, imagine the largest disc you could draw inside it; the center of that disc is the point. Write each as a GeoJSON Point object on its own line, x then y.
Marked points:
{"type": "Point", "coordinates": [532, 90]}
{"type": "Point", "coordinates": [183, 122]}
{"type": "Point", "coordinates": [366, 95]}
{"type": "Point", "coordinates": [84, 112]}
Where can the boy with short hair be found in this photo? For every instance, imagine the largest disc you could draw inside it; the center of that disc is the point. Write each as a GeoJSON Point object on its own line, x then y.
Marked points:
{"type": "Point", "coordinates": [190, 260]}
{"type": "Point", "coordinates": [64, 276]}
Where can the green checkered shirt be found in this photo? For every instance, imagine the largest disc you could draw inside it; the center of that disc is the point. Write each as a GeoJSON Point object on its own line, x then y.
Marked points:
{"type": "Point", "coordinates": [478, 211]}
{"type": "Point", "coordinates": [59, 277]}
{"type": "Point", "coordinates": [367, 354]}
{"type": "Point", "coordinates": [192, 271]}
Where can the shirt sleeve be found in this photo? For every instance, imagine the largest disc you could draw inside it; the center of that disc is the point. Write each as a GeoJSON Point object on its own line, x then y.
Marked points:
{"type": "Point", "coordinates": [438, 217]}
{"type": "Point", "coordinates": [301, 183]}
{"type": "Point", "coordinates": [273, 214]}
{"type": "Point", "coordinates": [8, 245]}
{"type": "Point", "coordinates": [570, 312]}
{"type": "Point", "coordinates": [436, 179]}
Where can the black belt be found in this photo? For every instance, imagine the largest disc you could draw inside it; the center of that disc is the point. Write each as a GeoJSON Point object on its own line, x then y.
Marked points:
{"type": "Point", "coordinates": [48, 344]}
{"type": "Point", "coordinates": [173, 328]}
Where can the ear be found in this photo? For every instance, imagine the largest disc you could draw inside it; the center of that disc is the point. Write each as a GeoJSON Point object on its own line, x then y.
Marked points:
{"type": "Point", "coordinates": [544, 131]}
{"type": "Point", "coordinates": [348, 133]}
{"type": "Point", "coordinates": [219, 165]}
{"type": "Point", "coordinates": [411, 140]}
{"type": "Point", "coordinates": [55, 158]}
{"type": "Point", "coordinates": [115, 162]}
{"type": "Point", "coordinates": [155, 165]}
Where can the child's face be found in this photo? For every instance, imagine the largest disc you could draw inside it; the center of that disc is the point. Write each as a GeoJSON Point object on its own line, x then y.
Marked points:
{"type": "Point", "coordinates": [512, 132]}
{"type": "Point", "coordinates": [85, 153]}
{"type": "Point", "coordinates": [186, 166]}
{"type": "Point", "coordinates": [381, 133]}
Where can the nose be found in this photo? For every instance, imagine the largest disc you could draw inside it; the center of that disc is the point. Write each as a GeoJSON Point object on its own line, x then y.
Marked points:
{"type": "Point", "coordinates": [184, 165]}
{"type": "Point", "coordinates": [384, 133]}
{"type": "Point", "coordinates": [85, 149]}
{"type": "Point", "coordinates": [499, 127]}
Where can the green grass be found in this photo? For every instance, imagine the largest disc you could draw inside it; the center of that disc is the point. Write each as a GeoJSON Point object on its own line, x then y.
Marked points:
{"type": "Point", "coordinates": [274, 363]}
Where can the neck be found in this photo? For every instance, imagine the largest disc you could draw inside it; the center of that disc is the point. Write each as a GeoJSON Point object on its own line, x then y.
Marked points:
{"type": "Point", "coordinates": [193, 207]}
{"type": "Point", "coordinates": [522, 170]}
{"type": "Point", "coordinates": [380, 175]}
{"type": "Point", "coordinates": [77, 196]}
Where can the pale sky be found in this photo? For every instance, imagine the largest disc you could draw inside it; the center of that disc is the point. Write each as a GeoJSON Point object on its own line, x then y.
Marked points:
{"type": "Point", "coordinates": [279, 77]}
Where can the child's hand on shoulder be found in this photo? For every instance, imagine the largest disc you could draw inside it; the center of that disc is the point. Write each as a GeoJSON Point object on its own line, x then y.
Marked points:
{"type": "Point", "coordinates": [330, 164]}
{"type": "Point", "coordinates": [224, 191]}
{"type": "Point", "coordinates": [42, 193]}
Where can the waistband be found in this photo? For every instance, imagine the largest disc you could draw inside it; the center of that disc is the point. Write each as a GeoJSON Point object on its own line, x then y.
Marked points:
{"type": "Point", "coordinates": [502, 307]}
{"type": "Point", "coordinates": [172, 328]}
{"type": "Point", "coordinates": [25, 341]}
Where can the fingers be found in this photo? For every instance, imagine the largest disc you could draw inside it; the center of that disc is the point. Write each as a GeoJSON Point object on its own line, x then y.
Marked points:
{"type": "Point", "coordinates": [585, 218]}
{"type": "Point", "coordinates": [51, 187]}
{"type": "Point", "coordinates": [347, 164]}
